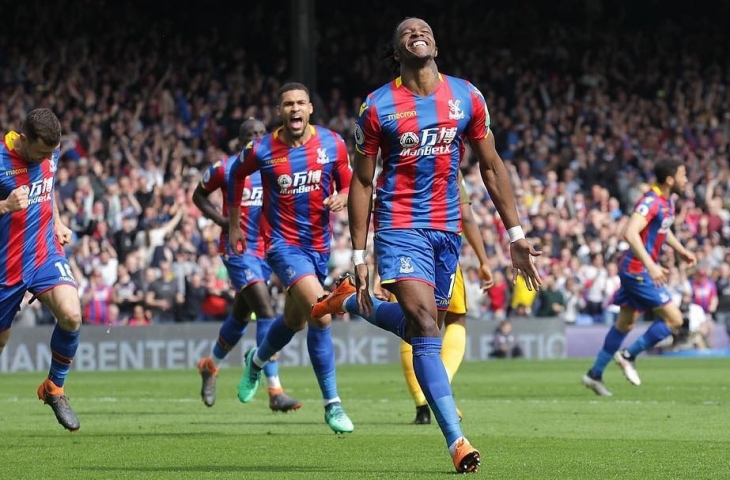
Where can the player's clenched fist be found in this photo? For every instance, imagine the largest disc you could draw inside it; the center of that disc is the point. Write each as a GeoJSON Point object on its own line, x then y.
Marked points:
{"type": "Point", "coordinates": [18, 199]}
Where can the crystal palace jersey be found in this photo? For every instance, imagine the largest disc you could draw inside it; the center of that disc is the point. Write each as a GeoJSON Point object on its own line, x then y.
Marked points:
{"type": "Point", "coordinates": [26, 236]}
{"type": "Point", "coordinates": [421, 141]}
{"type": "Point", "coordinates": [659, 213]}
{"type": "Point", "coordinates": [295, 180]}
{"type": "Point", "coordinates": [252, 223]}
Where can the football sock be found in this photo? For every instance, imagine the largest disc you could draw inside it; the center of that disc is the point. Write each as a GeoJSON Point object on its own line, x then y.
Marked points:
{"type": "Point", "coordinates": [322, 356]}
{"type": "Point", "coordinates": [63, 350]}
{"type": "Point", "coordinates": [278, 336]}
{"type": "Point", "coordinates": [271, 369]}
{"type": "Point", "coordinates": [406, 361]}
{"type": "Point", "coordinates": [228, 336]}
{"type": "Point", "coordinates": [434, 382]}
{"type": "Point", "coordinates": [386, 315]}
{"type": "Point", "coordinates": [656, 332]}
{"type": "Point", "coordinates": [611, 344]}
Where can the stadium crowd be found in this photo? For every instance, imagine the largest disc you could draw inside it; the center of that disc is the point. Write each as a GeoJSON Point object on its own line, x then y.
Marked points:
{"type": "Point", "coordinates": [579, 113]}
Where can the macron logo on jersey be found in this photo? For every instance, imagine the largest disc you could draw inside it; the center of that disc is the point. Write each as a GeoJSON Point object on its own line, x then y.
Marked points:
{"type": "Point", "coordinates": [432, 141]}
{"type": "Point", "coordinates": [300, 182]}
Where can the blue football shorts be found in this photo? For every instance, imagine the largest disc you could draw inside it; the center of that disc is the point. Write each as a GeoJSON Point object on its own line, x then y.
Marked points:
{"type": "Point", "coordinates": [640, 292]}
{"type": "Point", "coordinates": [53, 272]}
{"type": "Point", "coordinates": [429, 256]}
{"type": "Point", "coordinates": [291, 263]}
{"type": "Point", "coordinates": [246, 269]}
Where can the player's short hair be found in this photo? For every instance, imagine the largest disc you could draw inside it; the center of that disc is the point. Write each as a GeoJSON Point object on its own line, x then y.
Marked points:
{"type": "Point", "coordinates": [248, 123]}
{"type": "Point", "coordinates": [289, 86]}
{"type": "Point", "coordinates": [42, 124]}
{"type": "Point", "coordinates": [665, 168]}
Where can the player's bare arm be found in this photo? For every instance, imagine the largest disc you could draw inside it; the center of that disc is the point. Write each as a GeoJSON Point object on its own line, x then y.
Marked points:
{"type": "Point", "coordinates": [632, 236]}
{"type": "Point", "coordinates": [201, 199]}
{"type": "Point", "coordinates": [688, 257]}
{"type": "Point", "coordinates": [497, 180]}
{"type": "Point", "coordinates": [358, 210]}
{"type": "Point", "coordinates": [16, 201]}
{"type": "Point", "coordinates": [474, 237]}
{"type": "Point", "coordinates": [62, 232]}
{"type": "Point", "coordinates": [235, 234]}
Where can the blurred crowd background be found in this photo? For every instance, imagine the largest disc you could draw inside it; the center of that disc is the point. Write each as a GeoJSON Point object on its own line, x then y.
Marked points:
{"type": "Point", "coordinates": [584, 96]}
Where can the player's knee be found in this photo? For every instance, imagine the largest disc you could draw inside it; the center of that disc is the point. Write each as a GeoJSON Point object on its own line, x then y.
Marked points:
{"type": "Point", "coordinates": [424, 325]}
{"type": "Point", "coordinates": [295, 323]}
{"type": "Point", "coordinates": [70, 320]}
{"type": "Point", "coordinates": [323, 322]}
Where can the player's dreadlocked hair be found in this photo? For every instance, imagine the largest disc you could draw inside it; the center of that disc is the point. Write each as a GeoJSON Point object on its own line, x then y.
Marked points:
{"type": "Point", "coordinates": [388, 50]}
{"type": "Point", "coordinates": [387, 53]}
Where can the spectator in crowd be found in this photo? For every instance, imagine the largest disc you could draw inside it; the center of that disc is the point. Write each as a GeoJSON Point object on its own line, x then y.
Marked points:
{"type": "Point", "coordinates": [722, 312]}
{"type": "Point", "coordinates": [162, 296]}
{"type": "Point", "coordinates": [504, 342]}
{"type": "Point", "coordinates": [696, 326]}
{"type": "Point", "coordinates": [551, 302]}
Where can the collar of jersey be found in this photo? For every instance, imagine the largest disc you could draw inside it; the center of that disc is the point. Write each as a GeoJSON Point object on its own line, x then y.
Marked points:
{"type": "Point", "coordinates": [311, 129]}
{"type": "Point", "coordinates": [399, 80]}
{"type": "Point", "coordinates": [10, 138]}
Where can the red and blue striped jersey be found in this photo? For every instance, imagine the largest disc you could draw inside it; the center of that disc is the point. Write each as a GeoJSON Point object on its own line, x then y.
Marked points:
{"type": "Point", "coordinates": [295, 180]}
{"type": "Point", "coordinates": [26, 236]}
{"type": "Point", "coordinates": [659, 213]}
{"type": "Point", "coordinates": [421, 141]}
{"type": "Point", "coordinates": [252, 224]}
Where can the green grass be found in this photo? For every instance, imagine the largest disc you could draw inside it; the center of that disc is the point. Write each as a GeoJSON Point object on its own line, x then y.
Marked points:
{"type": "Point", "coordinates": [529, 419]}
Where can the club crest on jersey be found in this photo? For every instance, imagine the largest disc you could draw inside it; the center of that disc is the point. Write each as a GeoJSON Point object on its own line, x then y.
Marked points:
{"type": "Point", "coordinates": [455, 112]}
{"type": "Point", "coordinates": [322, 157]}
{"type": "Point", "coordinates": [249, 274]}
{"type": "Point", "coordinates": [206, 176]}
{"type": "Point", "coordinates": [405, 265]}
{"type": "Point", "coordinates": [52, 165]}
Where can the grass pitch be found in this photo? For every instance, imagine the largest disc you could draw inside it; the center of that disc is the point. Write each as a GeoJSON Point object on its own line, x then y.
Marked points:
{"type": "Point", "coordinates": [530, 420]}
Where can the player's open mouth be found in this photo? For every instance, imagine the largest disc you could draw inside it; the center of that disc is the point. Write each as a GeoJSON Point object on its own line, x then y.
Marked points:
{"type": "Point", "coordinates": [419, 43]}
{"type": "Point", "coordinates": [296, 123]}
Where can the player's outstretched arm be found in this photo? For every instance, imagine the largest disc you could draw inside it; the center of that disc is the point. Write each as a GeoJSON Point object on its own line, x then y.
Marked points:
{"type": "Point", "coordinates": [497, 180]}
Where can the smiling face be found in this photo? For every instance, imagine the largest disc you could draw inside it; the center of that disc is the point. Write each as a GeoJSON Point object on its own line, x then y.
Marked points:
{"type": "Point", "coordinates": [414, 42]}
{"type": "Point", "coordinates": [295, 108]}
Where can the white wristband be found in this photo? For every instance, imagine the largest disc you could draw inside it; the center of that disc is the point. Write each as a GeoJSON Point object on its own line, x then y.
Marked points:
{"type": "Point", "coordinates": [358, 257]}
{"type": "Point", "coordinates": [515, 233]}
